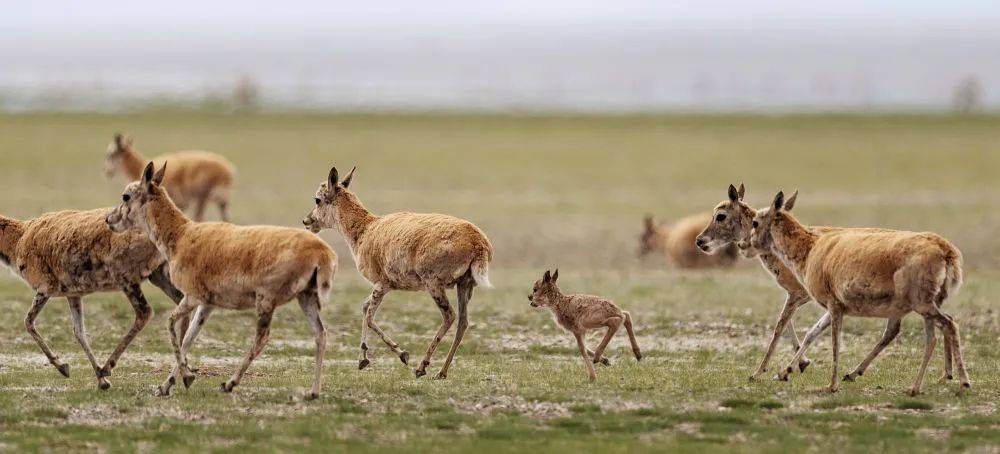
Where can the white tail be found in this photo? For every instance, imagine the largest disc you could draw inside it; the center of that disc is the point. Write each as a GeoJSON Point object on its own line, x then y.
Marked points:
{"type": "Point", "coordinates": [480, 272]}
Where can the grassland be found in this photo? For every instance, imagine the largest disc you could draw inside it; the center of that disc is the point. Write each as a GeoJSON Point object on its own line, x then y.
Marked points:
{"type": "Point", "coordinates": [549, 191]}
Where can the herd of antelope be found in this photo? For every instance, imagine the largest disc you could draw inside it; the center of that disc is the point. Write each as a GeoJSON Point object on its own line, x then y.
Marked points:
{"type": "Point", "coordinates": [202, 266]}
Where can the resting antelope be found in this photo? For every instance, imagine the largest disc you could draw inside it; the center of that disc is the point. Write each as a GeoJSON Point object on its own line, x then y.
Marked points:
{"type": "Point", "coordinates": [196, 177]}
{"type": "Point", "coordinates": [218, 264]}
{"type": "Point", "coordinates": [406, 251]}
{"type": "Point", "coordinates": [678, 243]}
{"type": "Point", "coordinates": [856, 272]}
{"type": "Point", "coordinates": [72, 254]}
{"type": "Point", "coordinates": [578, 313]}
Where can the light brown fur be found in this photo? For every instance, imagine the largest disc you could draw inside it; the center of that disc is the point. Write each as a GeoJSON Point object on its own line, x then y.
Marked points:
{"type": "Point", "coordinates": [579, 313]}
{"type": "Point", "coordinates": [222, 265]}
{"type": "Point", "coordinates": [72, 254]}
{"type": "Point", "coordinates": [195, 179]}
{"type": "Point", "coordinates": [678, 243]}
{"type": "Point", "coordinates": [406, 251]}
{"type": "Point", "coordinates": [863, 273]}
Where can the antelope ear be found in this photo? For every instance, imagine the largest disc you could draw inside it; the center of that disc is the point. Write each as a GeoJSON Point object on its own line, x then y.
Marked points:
{"type": "Point", "coordinates": [790, 203]}
{"type": "Point", "coordinates": [547, 277]}
{"type": "Point", "coordinates": [147, 175]}
{"type": "Point", "coordinates": [648, 222]}
{"type": "Point", "coordinates": [734, 195]}
{"type": "Point", "coordinates": [331, 180]}
{"type": "Point", "coordinates": [158, 178]}
{"type": "Point", "coordinates": [555, 276]}
{"type": "Point", "coordinates": [119, 141]}
{"type": "Point", "coordinates": [779, 201]}
{"type": "Point", "coordinates": [742, 191]}
{"type": "Point", "coordinates": [347, 179]}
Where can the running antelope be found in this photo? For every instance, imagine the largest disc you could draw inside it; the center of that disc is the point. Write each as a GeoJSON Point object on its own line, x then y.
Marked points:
{"type": "Point", "coordinates": [678, 243]}
{"type": "Point", "coordinates": [406, 251]}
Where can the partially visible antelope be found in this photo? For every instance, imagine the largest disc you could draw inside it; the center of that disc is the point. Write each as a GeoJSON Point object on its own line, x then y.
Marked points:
{"type": "Point", "coordinates": [406, 251]}
{"type": "Point", "coordinates": [196, 177]}
{"type": "Point", "coordinates": [578, 313]}
{"type": "Point", "coordinates": [678, 243]}
{"type": "Point", "coordinates": [885, 274]}
{"type": "Point", "coordinates": [217, 264]}
{"type": "Point", "coordinates": [72, 254]}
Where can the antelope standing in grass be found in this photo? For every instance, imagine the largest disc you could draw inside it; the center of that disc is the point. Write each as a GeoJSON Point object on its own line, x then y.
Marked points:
{"type": "Point", "coordinates": [72, 254]}
{"type": "Point", "coordinates": [579, 313]}
{"type": "Point", "coordinates": [885, 274]}
{"type": "Point", "coordinates": [217, 264]}
{"type": "Point", "coordinates": [406, 251]}
{"type": "Point", "coordinates": [678, 243]}
{"type": "Point", "coordinates": [196, 177]}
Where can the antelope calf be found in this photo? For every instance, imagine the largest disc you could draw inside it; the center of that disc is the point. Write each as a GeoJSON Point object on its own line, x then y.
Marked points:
{"type": "Point", "coordinates": [217, 264]}
{"type": "Point", "coordinates": [579, 313]}
{"type": "Point", "coordinates": [406, 251]}
{"type": "Point", "coordinates": [859, 272]}
{"type": "Point", "coordinates": [678, 243]}
{"type": "Point", "coordinates": [196, 177]}
{"type": "Point", "coordinates": [72, 254]}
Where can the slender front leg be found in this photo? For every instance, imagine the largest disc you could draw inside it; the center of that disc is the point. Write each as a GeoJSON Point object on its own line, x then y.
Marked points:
{"type": "Point", "coordinates": [194, 328]}
{"type": "Point", "coordinates": [367, 316]}
{"type": "Point", "coordinates": [613, 324]}
{"type": "Point", "coordinates": [264, 311]}
{"type": "Point", "coordinates": [929, 341]}
{"type": "Point", "coordinates": [464, 295]}
{"type": "Point", "coordinates": [811, 336]}
{"type": "Point", "coordinates": [838, 323]}
{"type": "Point", "coordinates": [80, 331]}
{"type": "Point", "coordinates": [604, 359]}
{"type": "Point", "coordinates": [142, 315]}
{"type": "Point", "coordinates": [174, 328]}
{"type": "Point", "coordinates": [891, 330]}
{"type": "Point", "coordinates": [309, 302]}
{"type": "Point", "coordinates": [29, 324]}
{"type": "Point", "coordinates": [447, 316]}
{"type": "Point", "coordinates": [376, 303]}
{"type": "Point", "coordinates": [583, 352]}
{"type": "Point", "coordinates": [784, 318]}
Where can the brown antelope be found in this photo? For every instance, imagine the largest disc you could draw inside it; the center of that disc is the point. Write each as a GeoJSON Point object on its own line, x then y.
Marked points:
{"type": "Point", "coordinates": [885, 274]}
{"type": "Point", "coordinates": [72, 254]}
{"type": "Point", "coordinates": [196, 177]}
{"type": "Point", "coordinates": [406, 251]}
{"type": "Point", "coordinates": [579, 313]}
{"type": "Point", "coordinates": [217, 264]}
{"type": "Point", "coordinates": [678, 243]}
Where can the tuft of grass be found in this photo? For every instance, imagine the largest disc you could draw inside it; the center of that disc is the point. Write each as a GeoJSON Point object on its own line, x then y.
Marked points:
{"type": "Point", "coordinates": [912, 404]}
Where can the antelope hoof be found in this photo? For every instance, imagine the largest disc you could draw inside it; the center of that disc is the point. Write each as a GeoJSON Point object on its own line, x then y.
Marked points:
{"type": "Point", "coordinates": [312, 396]}
{"type": "Point", "coordinates": [363, 364]}
{"type": "Point", "coordinates": [781, 377]}
{"type": "Point", "coordinates": [63, 369]}
{"type": "Point", "coordinates": [804, 364]}
{"type": "Point", "coordinates": [913, 392]}
{"type": "Point", "coordinates": [419, 373]}
{"type": "Point", "coordinates": [162, 391]}
{"type": "Point", "coordinates": [593, 378]}
{"type": "Point", "coordinates": [963, 389]}
{"type": "Point", "coordinates": [946, 377]}
{"type": "Point", "coordinates": [850, 376]}
{"type": "Point", "coordinates": [638, 356]}
{"type": "Point", "coordinates": [103, 384]}
{"type": "Point", "coordinates": [227, 387]}
{"type": "Point", "coordinates": [405, 357]}
{"type": "Point", "coordinates": [441, 376]}
{"type": "Point", "coordinates": [188, 380]}
{"type": "Point", "coordinates": [604, 360]}
{"type": "Point", "coordinates": [830, 389]}
{"type": "Point", "coordinates": [104, 372]}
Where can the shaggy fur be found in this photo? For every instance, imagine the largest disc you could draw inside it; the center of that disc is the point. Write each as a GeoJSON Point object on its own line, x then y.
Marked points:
{"type": "Point", "coordinates": [221, 265]}
{"type": "Point", "coordinates": [72, 254]}
{"type": "Point", "coordinates": [678, 243]}
{"type": "Point", "coordinates": [580, 313]}
{"type": "Point", "coordinates": [406, 251]}
{"type": "Point", "coordinates": [196, 177]}
{"type": "Point", "coordinates": [884, 274]}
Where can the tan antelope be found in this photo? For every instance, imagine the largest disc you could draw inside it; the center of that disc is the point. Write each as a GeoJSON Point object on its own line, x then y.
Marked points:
{"type": "Point", "coordinates": [579, 313]}
{"type": "Point", "coordinates": [217, 264]}
{"type": "Point", "coordinates": [678, 243]}
{"type": "Point", "coordinates": [885, 274]}
{"type": "Point", "coordinates": [196, 177]}
{"type": "Point", "coordinates": [406, 251]}
{"type": "Point", "coordinates": [72, 254]}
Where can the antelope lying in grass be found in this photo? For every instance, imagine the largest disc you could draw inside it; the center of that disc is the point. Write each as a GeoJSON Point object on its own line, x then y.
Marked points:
{"type": "Point", "coordinates": [72, 254]}
{"type": "Point", "coordinates": [196, 177]}
{"type": "Point", "coordinates": [406, 251]}
{"type": "Point", "coordinates": [855, 272]}
{"type": "Point", "coordinates": [218, 264]}
{"type": "Point", "coordinates": [580, 313]}
{"type": "Point", "coordinates": [678, 243]}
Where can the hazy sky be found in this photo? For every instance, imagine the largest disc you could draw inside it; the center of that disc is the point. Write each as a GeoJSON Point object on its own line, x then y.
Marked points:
{"type": "Point", "coordinates": [593, 55]}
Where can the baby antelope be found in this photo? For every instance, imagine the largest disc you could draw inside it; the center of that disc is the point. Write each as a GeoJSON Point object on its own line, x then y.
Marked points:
{"type": "Point", "coordinates": [580, 313]}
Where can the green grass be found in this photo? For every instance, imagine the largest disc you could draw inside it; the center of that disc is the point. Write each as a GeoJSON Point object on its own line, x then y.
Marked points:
{"type": "Point", "coordinates": [549, 191]}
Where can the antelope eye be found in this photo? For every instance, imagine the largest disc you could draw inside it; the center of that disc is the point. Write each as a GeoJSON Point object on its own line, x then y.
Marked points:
{"type": "Point", "coordinates": [126, 197]}
{"type": "Point", "coordinates": [318, 201]}
{"type": "Point", "coordinates": [755, 224]}
{"type": "Point", "coordinates": [720, 217]}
